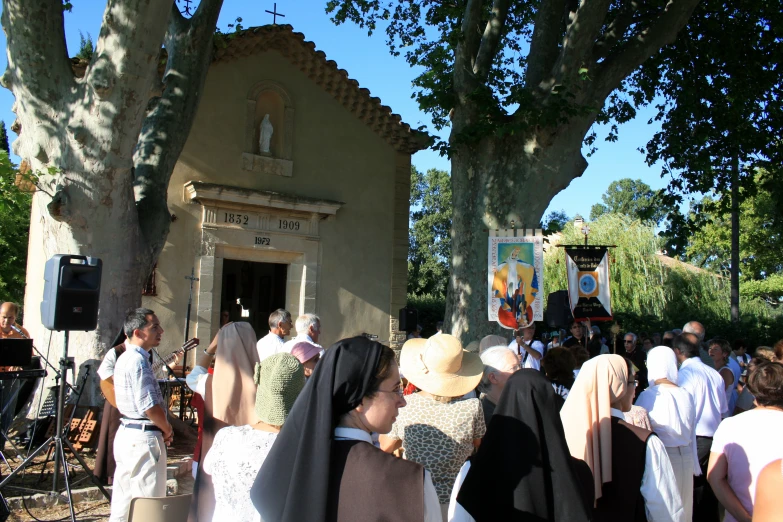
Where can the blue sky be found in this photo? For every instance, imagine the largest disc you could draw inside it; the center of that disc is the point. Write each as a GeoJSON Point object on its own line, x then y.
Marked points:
{"type": "Point", "coordinates": [367, 60]}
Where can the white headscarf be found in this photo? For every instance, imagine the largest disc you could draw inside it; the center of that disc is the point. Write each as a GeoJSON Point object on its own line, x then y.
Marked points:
{"type": "Point", "coordinates": [661, 364]}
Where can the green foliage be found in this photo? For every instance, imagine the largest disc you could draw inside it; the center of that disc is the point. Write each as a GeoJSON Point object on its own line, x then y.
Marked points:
{"type": "Point", "coordinates": [14, 228]}
{"type": "Point", "coordinates": [4, 139]}
{"type": "Point", "coordinates": [633, 198]}
{"type": "Point", "coordinates": [769, 289]}
{"type": "Point", "coordinates": [761, 241]}
{"type": "Point", "coordinates": [648, 295]}
{"type": "Point", "coordinates": [721, 97]}
{"type": "Point", "coordinates": [554, 222]}
{"type": "Point", "coordinates": [86, 47]}
{"type": "Point", "coordinates": [429, 253]}
{"type": "Point", "coordinates": [431, 308]}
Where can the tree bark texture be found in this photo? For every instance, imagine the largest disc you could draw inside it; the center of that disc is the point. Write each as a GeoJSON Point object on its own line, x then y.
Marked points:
{"type": "Point", "coordinates": [513, 173]}
{"type": "Point", "coordinates": [735, 241]}
{"type": "Point", "coordinates": [80, 135]}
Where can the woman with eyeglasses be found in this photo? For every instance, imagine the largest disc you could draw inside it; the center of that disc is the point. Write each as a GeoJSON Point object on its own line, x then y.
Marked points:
{"type": "Point", "coordinates": [632, 475]}
{"type": "Point", "coordinates": [324, 466]}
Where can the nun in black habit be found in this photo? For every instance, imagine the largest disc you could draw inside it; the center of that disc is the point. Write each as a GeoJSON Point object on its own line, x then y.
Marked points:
{"type": "Point", "coordinates": [523, 470]}
{"type": "Point", "coordinates": [324, 467]}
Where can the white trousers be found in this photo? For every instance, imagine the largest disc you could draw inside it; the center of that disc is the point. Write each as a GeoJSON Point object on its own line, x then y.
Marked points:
{"type": "Point", "coordinates": [141, 469]}
{"type": "Point", "coordinates": [682, 463]}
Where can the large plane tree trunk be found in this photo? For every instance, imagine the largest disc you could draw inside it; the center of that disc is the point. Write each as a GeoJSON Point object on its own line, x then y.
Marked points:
{"type": "Point", "coordinates": [103, 146]}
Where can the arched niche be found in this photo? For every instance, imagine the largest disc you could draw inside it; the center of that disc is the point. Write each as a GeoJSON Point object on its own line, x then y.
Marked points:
{"type": "Point", "coordinates": [268, 97]}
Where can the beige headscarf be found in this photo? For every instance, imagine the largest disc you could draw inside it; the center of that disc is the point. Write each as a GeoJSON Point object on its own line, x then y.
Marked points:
{"type": "Point", "coordinates": [586, 414]}
{"type": "Point", "coordinates": [492, 340]}
{"type": "Point", "coordinates": [233, 388]}
{"type": "Point", "coordinates": [230, 401]}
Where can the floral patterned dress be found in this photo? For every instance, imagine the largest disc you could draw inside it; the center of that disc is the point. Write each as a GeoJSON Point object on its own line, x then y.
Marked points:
{"type": "Point", "coordinates": [233, 461]}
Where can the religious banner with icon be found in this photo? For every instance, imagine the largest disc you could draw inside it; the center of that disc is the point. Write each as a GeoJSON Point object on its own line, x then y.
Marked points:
{"type": "Point", "coordinates": [516, 281]}
{"type": "Point", "coordinates": [588, 282]}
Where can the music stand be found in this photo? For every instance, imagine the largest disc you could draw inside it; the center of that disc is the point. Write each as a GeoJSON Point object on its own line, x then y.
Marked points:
{"type": "Point", "coordinates": [16, 352]}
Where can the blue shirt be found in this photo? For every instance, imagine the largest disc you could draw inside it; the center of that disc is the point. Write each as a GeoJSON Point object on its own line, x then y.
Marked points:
{"type": "Point", "coordinates": [135, 386]}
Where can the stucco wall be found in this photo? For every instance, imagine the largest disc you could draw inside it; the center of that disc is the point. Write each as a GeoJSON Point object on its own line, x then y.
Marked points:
{"type": "Point", "coordinates": [335, 157]}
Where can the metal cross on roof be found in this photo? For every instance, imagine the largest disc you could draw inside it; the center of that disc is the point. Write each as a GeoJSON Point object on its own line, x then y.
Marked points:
{"type": "Point", "coordinates": [274, 14]}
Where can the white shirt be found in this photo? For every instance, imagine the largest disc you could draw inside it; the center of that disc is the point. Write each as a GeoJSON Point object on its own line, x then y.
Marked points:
{"type": "Point", "coordinates": [432, 511]}
{"type": "Point", "coordinates": [707, 388]}
{"type": "Point", "coordinates": [269, 345]}
{"type": "Point", "coordinates": [662, 500]}
{"type": "Point", "coordinates": [457, 513]}
{"type": "Point", "coordinates": [672, 414]}
{"type": "Point", "coordinates": [197, 380]}
{"type": "Point", "coordinates": [744, 440]}
{"type": "Point", "coordinates": [528, 360]}
{"type": "Point", "coordinates": [233, 461]}
{"type": "Point", "coordinates": [106, 369]}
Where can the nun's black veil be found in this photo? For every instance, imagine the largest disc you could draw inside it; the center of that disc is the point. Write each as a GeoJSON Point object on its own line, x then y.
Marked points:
{"type": "Point", "coordinates": [293, 483]}
{"type": "Point", "coordinates": [523, 470]}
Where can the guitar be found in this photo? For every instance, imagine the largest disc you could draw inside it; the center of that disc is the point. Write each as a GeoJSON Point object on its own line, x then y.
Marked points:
{"type": "Point", "coordinates": [160, 362]}
{"type": "Point", "coordinates": [107, 386]}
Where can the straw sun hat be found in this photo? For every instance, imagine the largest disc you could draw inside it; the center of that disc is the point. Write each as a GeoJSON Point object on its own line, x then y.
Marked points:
{"type": "Point", "coordinates": [440, 366]}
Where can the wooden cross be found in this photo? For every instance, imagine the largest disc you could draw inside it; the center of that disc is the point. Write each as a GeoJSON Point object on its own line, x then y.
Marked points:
{"type": "Point", "coordinates": [274, 14]}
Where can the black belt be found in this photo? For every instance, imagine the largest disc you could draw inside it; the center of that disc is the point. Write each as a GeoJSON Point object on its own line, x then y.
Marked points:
{"type": "Point", "coordinates": [142, 427]}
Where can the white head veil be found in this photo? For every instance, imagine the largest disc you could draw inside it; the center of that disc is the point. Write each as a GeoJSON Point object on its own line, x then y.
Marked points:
{"type": "Point", "coordinates": [661, 364]}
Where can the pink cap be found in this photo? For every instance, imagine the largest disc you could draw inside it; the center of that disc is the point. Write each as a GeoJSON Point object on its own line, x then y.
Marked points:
{"type": "Point", "coordinates": [305, 351]}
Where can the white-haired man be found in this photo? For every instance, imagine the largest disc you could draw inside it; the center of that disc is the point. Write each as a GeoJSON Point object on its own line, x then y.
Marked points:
{"type": "Point", "coordinates": [308, 329]}
{"type": "Point", "coordinates": [499, 364]}
{"type": "Point", "coordinates": [697, 329]}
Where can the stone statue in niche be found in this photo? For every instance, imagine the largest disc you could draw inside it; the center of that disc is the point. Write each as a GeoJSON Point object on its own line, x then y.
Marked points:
{"type": "Point", "coordinates": [266, 135]}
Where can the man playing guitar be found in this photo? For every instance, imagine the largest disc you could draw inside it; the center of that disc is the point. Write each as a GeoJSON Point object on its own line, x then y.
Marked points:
{"type": "Point", "coordinates": [104, 459]}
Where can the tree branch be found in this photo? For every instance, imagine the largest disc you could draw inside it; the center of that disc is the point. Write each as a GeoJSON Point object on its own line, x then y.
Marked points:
{"type": "Point", "coordinates": [614, 31]}
{"type": "Point", "coordinates": [39, 72]}
{"type": "Point", "coordinates": [580, 35]}
{"type": "Point", "coordinates": [464, 62]}
{"type": "Point", "coordinates": [166, 128]}
{"type": "Point", "coordinates": [547, 33]}
{"type": "Point", "coordinates": [490, 40]}
{"type": "Point", "coordinates": [647, 42]}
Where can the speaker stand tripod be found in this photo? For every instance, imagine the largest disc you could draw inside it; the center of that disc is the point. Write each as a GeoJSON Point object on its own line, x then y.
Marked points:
{"type": "Point", "coordinates": [58, 443]}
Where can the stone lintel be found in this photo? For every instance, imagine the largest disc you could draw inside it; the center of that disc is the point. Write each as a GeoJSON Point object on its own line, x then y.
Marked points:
{"type": "Point", "coordinates": [237, 197]}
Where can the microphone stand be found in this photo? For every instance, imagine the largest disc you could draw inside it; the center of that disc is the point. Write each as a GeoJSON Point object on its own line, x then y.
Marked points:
{"type": "Point", "coordinates": [179, 380]}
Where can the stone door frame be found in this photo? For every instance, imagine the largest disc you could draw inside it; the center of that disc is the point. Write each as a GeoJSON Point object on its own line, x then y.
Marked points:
{"type": "Point", "coordinates": [259, 239]}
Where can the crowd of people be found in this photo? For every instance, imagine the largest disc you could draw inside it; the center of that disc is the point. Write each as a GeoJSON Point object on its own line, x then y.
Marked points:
{"type": "Point", "coordinates": [672, 428]}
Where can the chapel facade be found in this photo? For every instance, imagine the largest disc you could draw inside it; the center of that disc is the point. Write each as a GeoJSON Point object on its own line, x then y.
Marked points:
{"type": "Point", "coordinates": [292, 191]}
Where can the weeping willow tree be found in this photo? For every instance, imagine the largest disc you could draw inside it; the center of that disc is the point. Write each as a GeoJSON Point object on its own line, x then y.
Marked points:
{"type": "Point", "coordinates": [652, 292]}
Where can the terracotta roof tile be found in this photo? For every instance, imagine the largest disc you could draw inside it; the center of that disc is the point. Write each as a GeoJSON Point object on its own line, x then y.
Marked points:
{"type": "Point", "coordinates": [328, 76]}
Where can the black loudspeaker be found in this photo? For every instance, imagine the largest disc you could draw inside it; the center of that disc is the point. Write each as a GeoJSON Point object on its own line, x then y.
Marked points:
{"type": "Point", "coordinates": [409, 319]}
{"type": "Point", "coordinates": [72, 287]}
{"type": "Point", "coordinates": [558, 310]}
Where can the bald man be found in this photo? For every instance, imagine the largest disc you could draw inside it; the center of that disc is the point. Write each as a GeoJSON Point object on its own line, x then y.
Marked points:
{"type": "Point", "coordinates": [697, 329]}
{"type": "Point", "coordinates": [8, 327]}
